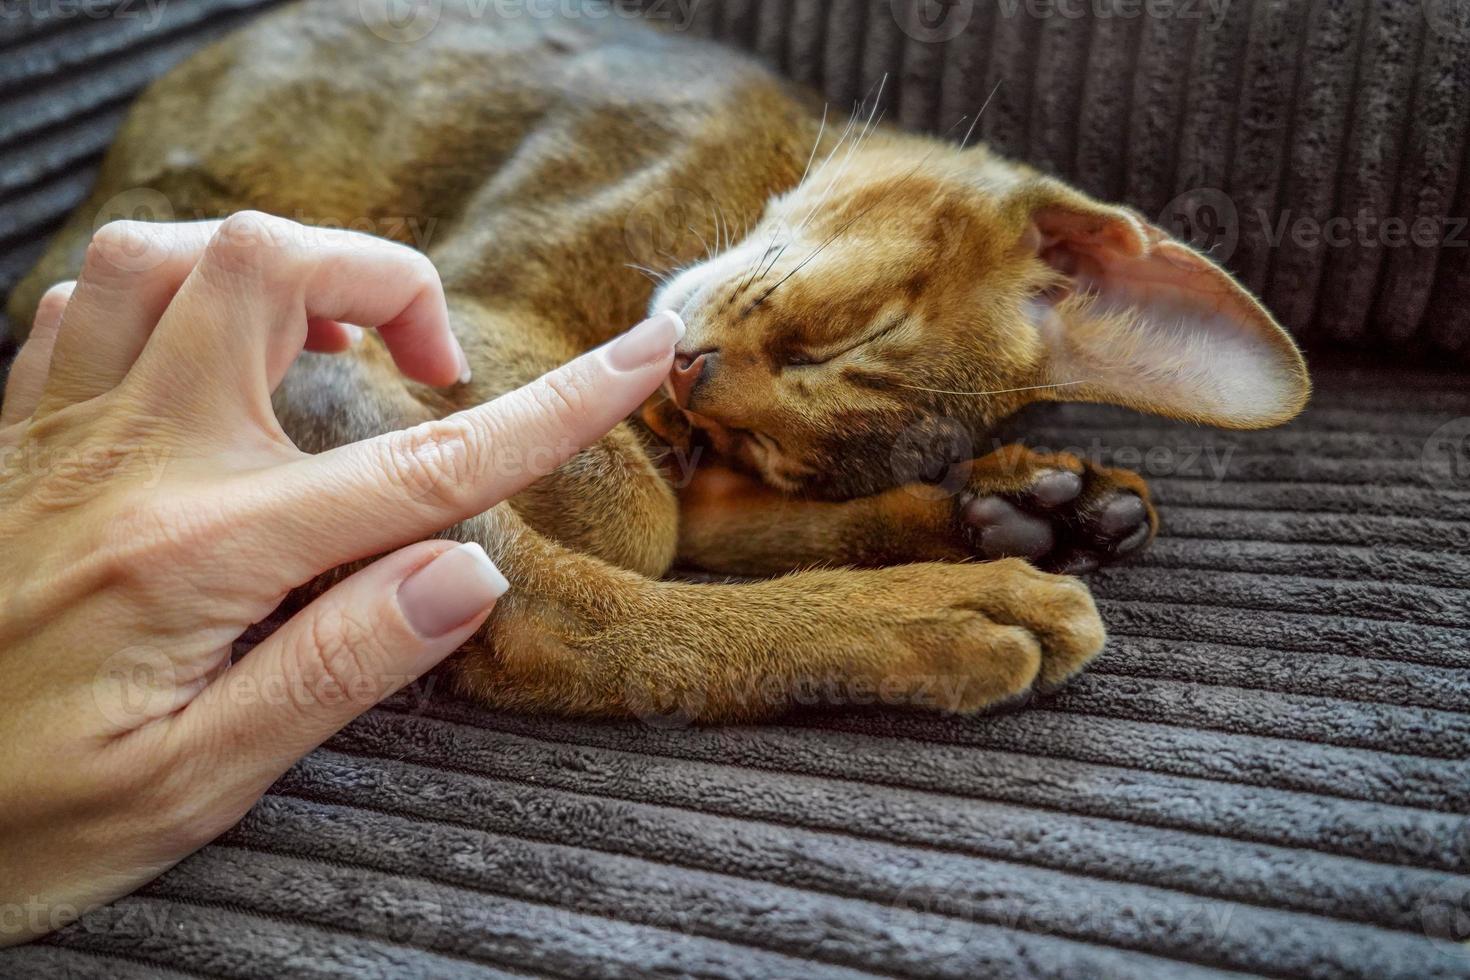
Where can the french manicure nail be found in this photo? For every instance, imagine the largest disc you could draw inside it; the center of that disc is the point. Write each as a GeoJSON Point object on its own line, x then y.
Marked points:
{"type": "Point", "coordinates": [647, 342]}
{"type": "Point", "coordinates": [450, 590]}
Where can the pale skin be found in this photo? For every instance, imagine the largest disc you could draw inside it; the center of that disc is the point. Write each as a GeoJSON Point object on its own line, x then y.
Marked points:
{"type": "Point", "coordinates": [151, 510]}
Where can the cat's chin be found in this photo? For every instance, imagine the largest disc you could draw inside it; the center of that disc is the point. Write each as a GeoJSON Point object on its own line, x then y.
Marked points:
{"type": "Point", "coordinates": [731, 443]}
{"type": "Point", "coordinates": [742, 448]}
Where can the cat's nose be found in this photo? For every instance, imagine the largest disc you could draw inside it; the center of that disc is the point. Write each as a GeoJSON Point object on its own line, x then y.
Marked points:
{"type": "Point", "coordinates": [690, 368]}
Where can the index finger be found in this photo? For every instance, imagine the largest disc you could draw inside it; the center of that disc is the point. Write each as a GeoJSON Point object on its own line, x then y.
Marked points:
{"type": "Point", "coordinates": [367, 497]}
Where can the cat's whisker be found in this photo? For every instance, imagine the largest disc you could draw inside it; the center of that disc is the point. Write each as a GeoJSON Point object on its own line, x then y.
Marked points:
{"type": "Point", "coordinates": [649, 274]}
{"type": "Point", "coordinates": [776, 232]}
{"type": "Point", "coordinates": [726, 228]}
{"type": "Point", "coordinates": [964, 140]}
{"type": "Point", "coordinates": [821, 128]}
{"type": "Point", "coordinates": [847, 224]}
{"type": "Point", "coordinates": [869, 126]}
{"type": "Point", "coordinates": [753, 273]}
{"type": "Point", "coordinates": [695, 232]}
{"type": "Point", "coordinates": [997, 391]}
{"type": "Point", "coordinates": [874, 116]}
{"type": "Point", "coordinates": [983, 107]}
{"type": "Point", "coordinates": [774, 259]}
{"type": "Point", "coordinates": [847, 130]}
{"type": "Point", "coordinates": [815, 252]}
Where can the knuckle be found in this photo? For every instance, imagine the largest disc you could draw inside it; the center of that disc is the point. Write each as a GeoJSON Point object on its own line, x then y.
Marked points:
{"type": "Point", "coordinates": [419, 268]}
{"type": "Point", "coordinates": [423, 273]}
{"type": "Point", "coordinates": [250, 240]}
{"type": "Point", "coordinates": [338, 646]}
{"type": "Point", "coordinates": [561, 396]}
{"type": "Point", "coordinates": [432, 461]}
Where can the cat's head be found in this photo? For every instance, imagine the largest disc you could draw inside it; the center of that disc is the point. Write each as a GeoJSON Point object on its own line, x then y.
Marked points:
{"type": "Point", "coordinates": [914, 286]}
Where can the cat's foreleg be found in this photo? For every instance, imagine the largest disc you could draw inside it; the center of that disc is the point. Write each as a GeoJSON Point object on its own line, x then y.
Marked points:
{"type": "Point", "coordinates": [1060, 512]}
{"type": "Point", "coordinates": [576, 635]}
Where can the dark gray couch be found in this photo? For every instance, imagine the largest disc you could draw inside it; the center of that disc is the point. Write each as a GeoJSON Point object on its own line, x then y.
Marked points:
{"type": "Point", "coordinates": [1266, 771]}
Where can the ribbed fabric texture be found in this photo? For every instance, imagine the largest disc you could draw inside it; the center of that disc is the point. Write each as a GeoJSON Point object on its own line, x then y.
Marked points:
{"type": "Point", "coordinates": [1264, 773]}
{"type": "Point", "coordinates": [68, 71]}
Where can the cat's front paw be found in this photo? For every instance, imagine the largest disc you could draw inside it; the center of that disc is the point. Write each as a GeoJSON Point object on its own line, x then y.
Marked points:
{"type": "Point", "coordinates": [1060, 513]}
{"type": "Point", "coordinates": [1001, 630]}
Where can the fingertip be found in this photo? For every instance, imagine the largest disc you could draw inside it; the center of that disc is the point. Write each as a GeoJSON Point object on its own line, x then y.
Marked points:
{"type": "Point", "coordinates": [455, 587]}
{"type": "Point", "coordinates": [51, 307]}
{"type": "Point", "coordinates": [423, 344]}
{"type": "Point", "coordinates": [646, 344]}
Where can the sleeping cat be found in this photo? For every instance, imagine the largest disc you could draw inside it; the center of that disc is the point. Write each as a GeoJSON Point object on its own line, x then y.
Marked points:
{"type": "Point", "coordinates": [862, 304]}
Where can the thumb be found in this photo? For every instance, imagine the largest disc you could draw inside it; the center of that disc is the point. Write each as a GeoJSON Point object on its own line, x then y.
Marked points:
{"type": "Point", "coordinates": [360, 641]}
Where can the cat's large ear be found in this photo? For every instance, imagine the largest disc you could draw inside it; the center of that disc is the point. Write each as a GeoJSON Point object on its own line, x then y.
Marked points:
{"type": "Point", "coordinates": [1136, 318]}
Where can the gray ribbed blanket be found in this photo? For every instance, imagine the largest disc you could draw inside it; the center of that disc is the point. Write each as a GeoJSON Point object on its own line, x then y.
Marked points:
{"type": "Point", "coordinates": [1264, 773]}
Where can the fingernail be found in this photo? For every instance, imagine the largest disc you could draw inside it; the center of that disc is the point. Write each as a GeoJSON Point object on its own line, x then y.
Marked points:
{"type": "Point", "coordinates": [464, 366]}
{"type": "Point", "coordinates": [645, 343]}
{"type": "Point", "coordinates": [354, 333]}
{"type": "Point", "coordinates": [450, 590]}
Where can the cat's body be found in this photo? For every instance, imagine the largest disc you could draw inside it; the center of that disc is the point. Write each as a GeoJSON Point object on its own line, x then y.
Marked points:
{"type": "Point", "coordinates": [537, 161]}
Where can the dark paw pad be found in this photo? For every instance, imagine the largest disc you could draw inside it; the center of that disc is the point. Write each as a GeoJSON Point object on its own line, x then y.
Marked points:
{"type": "Point", "coordinates": [1063, 522]}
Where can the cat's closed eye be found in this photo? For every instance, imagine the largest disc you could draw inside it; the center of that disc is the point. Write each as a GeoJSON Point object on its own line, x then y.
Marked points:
{"type": "Point", "coordinates": [802, 358]}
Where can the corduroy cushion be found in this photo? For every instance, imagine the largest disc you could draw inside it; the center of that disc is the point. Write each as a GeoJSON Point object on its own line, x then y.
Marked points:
{"type": "Point", "coordinates": [1265, 772]}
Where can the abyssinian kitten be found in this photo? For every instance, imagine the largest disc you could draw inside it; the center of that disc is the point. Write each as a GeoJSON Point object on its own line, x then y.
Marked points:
{"type": "Point", "coordinates": [854, 296]}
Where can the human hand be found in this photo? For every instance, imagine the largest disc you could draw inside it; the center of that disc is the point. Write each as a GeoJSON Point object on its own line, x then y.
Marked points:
{"type": "Point", "coordinates": [151, 509]}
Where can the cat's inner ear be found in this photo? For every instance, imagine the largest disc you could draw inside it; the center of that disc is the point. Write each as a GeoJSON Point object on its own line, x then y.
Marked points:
{"type": "Point", "coordinates": [1133, 317]}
